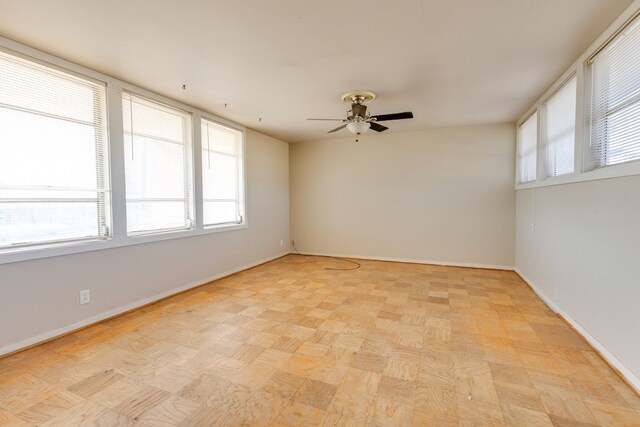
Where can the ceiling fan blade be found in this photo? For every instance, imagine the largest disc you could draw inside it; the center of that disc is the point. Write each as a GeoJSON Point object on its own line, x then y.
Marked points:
{"type": "Point", "coordinates": [329, 120]}
{"type": "Point", "coordinates": [337, 129]}
{"type": "Point", "coordinates": [394, 116]}
{"type": "Point", "coordinates": [378, 127]}
{"type": "Point", "coordinates": [358, 110]}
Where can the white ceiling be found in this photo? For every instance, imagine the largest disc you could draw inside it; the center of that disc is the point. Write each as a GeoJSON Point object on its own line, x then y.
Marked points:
{"type": "Point", "coordinates": [451, 62]}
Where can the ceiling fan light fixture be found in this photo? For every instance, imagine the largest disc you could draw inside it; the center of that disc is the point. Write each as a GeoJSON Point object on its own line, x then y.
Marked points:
{"type": "Point", "coordinates": [359, 120]}
{"type": "Point", "coordinates": [358, 128]}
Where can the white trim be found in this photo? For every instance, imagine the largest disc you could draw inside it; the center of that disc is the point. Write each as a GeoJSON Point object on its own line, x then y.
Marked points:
{"type": "Point", "coordinates": [555, 87]}
{"type": "Point", "coordinates": [413, 261]}
{"type": "Point", "coordinates": [535, 110]}
{"type": "Point", "coordinates": [612, 31]}
{"type": "Point", "coordinates": [606, 172]}
{"type": "Point", "coordinates": [28, 342]}
{"type": "Point", "coordinates": [53, 250]}
{"type": "Point", "coordinates": [580, 134]}
{"type": "Point", "coordinates": [578, 68]}
{"type": "Point", "coordinates": [633, 380]}
{"type": "Point", "coordinates": [543, 145]}
{"type": "Point", "coordinates": [116, 166]}
{"type": "Point", "coordinates": [611, 359]}
{"type": "Point", "coordinates": [242, 174]}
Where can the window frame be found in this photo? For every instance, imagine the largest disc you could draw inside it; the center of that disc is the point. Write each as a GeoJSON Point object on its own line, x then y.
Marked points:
{"type": "Point", "coordinates": [116, 167]}
{"type": "Point", "coordinates": [589, 162]}
{"type": "Point", "coordinates": [189, 198]}
{"type": "Point", "coordinates": [106, 190]}
{"type": "Point", "coordinates": [543, 143]}
{"type": "Point", "coordinates": [242, 175]}
{"type": "Point", "coordinates": [583, 170]}
{"type": "Point", "coordinates": [535, 112]}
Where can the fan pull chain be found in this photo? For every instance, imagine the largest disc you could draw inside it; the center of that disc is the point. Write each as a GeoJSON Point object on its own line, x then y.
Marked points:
{"type": "Point", "coordinates": [131, 124]}
{"type": "Point", "coordinates": [208, 149]}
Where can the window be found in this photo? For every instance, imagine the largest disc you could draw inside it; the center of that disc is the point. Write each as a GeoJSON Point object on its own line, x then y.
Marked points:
{"type": "Point", "coordinates": [560, 130]}
{"type": "Point", "coordinates": [158, 158]}
{"type": "Point", "coordinates": [614, 99]}
{"type": "Point", "coordinates": [222, 177]}
{"type": "Point", "coordinates": [56, 172]}
{"type": "Point", "coordinates": [53, 156]}
{"type": "Point", "coordinates": [527, 148]}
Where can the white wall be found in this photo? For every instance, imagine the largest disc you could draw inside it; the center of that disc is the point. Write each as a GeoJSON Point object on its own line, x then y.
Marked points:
{"type": "Point", "coordinates": [443, 195]}
{"type": "Point", "coordinates": [41, 296]}
{"type": "Point", "coordinates": [579, 244]}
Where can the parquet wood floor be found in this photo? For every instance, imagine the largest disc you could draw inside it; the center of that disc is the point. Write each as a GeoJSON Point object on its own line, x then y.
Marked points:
{"type": "Point", "coordinates": [291, 344]}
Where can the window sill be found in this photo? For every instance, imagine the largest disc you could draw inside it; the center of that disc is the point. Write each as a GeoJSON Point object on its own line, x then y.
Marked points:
{"type": "Point", "coordinates": [224, 227]}
{"type": "Point", "coordinates": [67, 248]}
{"type": "Point", "coordinates": [607, 172]}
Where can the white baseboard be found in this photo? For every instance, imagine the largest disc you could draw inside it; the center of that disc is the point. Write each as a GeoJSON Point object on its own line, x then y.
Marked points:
{"type": "Point", "coordinates": [29, 342]}
{"type": "Point", "coordinates": [632, 379]}
{"type": "Point", "coordinates": [415, 261]}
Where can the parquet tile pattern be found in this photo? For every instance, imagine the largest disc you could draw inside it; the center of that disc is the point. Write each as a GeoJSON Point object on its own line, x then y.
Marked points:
{"type": "Point", "coordinates": [291, 344]}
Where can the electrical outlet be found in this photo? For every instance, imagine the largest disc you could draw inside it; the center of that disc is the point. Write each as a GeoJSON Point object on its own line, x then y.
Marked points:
{"type": "Point", "coordinates": [281, 242]}
{"type": "Point", "coordinates": [85, 296]}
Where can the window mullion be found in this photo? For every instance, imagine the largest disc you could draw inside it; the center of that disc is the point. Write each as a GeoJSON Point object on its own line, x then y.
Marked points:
{"type": "Point", "coordinates": [102, 164]}
{"type": "Point", "coordinates": [542, 145]}
{"type": "Point", "coordinates": [239, 181]}
{"type": "Point", "coordinates": [197, 171]}
{"type": "Point", "coordinates": [580, 121]}
{"type": "Point", "coordinates": [117, 169]}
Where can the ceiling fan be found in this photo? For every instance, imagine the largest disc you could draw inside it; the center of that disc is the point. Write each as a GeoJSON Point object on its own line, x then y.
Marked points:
{"type": "Point", "coordinates": [358, 119]}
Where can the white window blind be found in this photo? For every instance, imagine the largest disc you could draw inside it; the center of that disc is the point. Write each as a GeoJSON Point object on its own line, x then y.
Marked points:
{"type": "Point", "coordinates": [527, 149]}
{"type": "Point", "coordinates": [53, 156]}
{"type": "Point", "coordinates": [222, 176]}
{"type": "Point", "coordinates": [560, 130]}
{"type": "Point", "coordinates": [158, 152]}
{"type": "Point", "coordinates": [614, 97]}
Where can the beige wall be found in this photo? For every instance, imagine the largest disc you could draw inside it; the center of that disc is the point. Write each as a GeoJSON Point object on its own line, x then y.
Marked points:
{"type": "Point", "coordinates": [41, 296]}
{"type": "Point", "coordinates": [579, 245]}
{"type": "Point", "coordinates": [442, 195]}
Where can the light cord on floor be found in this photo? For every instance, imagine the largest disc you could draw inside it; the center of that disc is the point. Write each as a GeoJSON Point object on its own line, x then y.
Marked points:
{"type": "Point", "coordinates": [357, 264]}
